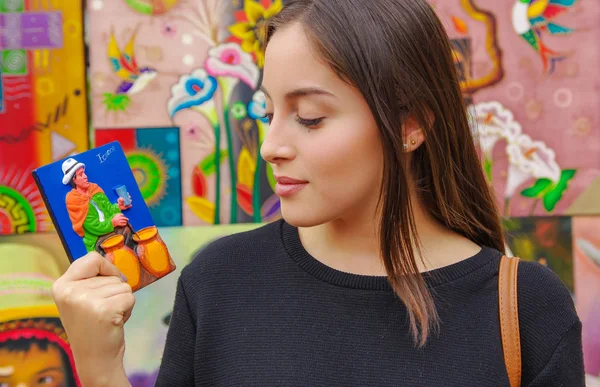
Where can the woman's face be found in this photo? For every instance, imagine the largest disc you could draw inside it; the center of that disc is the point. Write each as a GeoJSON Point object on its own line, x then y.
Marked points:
{"type": "Point", "coordinates": [322, 135]}
{"type": "Point", "coordinates": [32, 368]}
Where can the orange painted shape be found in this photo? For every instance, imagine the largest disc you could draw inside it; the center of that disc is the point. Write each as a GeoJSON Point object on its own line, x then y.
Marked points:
{"type": "Point", "coordinates": [152, 252]}
{"type": "Point", "coordinates": [123, 258]}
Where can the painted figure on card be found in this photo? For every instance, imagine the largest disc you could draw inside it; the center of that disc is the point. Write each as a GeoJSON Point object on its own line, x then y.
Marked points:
{"type": "Point", "coordinates": [93, 216]}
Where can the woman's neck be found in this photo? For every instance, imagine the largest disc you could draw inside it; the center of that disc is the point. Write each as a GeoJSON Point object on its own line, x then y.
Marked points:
{"type": "Point", "coordinates": [352, 245]}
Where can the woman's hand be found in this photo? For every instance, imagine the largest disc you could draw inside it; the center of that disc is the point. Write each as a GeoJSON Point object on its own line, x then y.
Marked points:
{"type": "Point", "coordinates": [94, 303]}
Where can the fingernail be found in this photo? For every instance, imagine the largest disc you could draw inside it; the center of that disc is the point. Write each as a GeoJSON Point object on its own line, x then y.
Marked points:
{"type": "Point", "coordinates": [123, 278]}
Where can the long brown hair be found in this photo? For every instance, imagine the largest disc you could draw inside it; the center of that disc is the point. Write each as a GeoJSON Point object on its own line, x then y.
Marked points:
{"type": "Point", "coordinates": [397, 53]}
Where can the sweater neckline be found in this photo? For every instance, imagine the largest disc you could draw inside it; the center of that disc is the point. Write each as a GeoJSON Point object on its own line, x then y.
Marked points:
{"type": "Point", "coordinates": [435, 277]}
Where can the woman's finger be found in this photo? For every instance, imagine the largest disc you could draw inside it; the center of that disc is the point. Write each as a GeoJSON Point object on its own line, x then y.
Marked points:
{"type": "Point", "coordinates": [112, 290]}
{"type": "Point", "coordinates": [100, 281]}
{"type": "Point", "coordinates": [123, 304]}
{"type": "Point", "coordinates": [89, 266]}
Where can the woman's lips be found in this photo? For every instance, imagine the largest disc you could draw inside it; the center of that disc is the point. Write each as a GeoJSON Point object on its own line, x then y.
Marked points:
{"type": "Point", "coordinates": [287, 186]}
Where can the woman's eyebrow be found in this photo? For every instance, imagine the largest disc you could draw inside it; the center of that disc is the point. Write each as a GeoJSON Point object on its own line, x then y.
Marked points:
{"type": "Point", "coordinates": [302, 92]}
{"type": "Point", "coordinates": [49, 369]}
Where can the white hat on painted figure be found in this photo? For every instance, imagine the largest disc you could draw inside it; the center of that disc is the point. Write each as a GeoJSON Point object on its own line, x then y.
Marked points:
{"type": "Point", "coordinates": [69, 167]}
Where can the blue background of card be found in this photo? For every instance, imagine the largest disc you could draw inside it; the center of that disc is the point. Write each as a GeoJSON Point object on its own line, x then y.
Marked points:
{"type": "Point", "coordinates": [111, 173]}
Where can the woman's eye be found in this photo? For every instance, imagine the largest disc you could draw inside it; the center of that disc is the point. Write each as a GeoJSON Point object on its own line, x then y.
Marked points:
{"type": "Point", "coordinates": [309, 123]}
{"type": "Point", "coordinates": [269, 117]}
{"type": "Point", "coordinates": [45, 380]}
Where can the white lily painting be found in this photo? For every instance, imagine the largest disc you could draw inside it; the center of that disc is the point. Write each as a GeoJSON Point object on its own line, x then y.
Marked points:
{"type": "Point", "coordinates": [529, 160]}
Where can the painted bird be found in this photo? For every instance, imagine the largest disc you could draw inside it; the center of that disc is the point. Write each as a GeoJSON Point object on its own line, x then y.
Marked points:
{"type": "Point", "coordinates": [531, 18]}
{"type": "Point", "coordinates": [123, 63]}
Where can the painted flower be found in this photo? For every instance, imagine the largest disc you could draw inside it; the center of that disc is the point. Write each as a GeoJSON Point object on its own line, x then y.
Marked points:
{"type": "Point", "coordinates": [116, 102]}
{"type": "Point", "coordinates": [529, 159]}
{"type": "Point", "coordinates": [258, 106]}
{"type": "Point", "coordinates": [256, 110]}
{"type": "Point", "coordinates": [194, 91]}
{"type": "Point", "coordinates": [192, 130]}
{"type": "Point", "coordinates": [491, 123]}
{"type": "Point", "coordinates": [251, 29]}
{"type": "Point", "coordinates": [168, 30]}
{"type": "Point", "coordinates": [228, 60]}
{"type": "Point", "coordinates": [197, 135]}
{"type": "Point", "coordinates": [238, 110]}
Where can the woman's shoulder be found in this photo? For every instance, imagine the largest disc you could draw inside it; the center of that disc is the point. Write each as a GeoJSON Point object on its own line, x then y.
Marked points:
{"type": "Point", "coordinates": [547, 318]}
{"type": "Point", "coordinates": [543, 296]}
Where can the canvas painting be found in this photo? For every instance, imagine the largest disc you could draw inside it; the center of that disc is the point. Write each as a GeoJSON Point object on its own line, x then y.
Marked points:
{"type": "Point", "coordinates": [96, 205]}
{"type": "Point", "coordinates": [43, 105]}
{"type": "Point", "coordinates": [546, 240]}
{"type": "Point", "coordinates": [154, 157]}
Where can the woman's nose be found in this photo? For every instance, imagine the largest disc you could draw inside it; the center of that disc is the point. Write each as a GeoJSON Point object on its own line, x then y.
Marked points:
{"type": "Point", "coordinates": [276, 147]}
{"type": "Point", "coordinates": [274, 152]}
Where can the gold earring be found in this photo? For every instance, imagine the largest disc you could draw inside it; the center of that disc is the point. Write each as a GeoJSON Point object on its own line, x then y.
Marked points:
{"type": "Point", "coordinates": [413, 142]}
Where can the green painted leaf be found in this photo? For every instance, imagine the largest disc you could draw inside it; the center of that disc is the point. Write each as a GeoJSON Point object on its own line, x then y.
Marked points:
{"type": "Point", "coordinates": [487, 166]}
{"type": "Point", "coordinates": [208, 164]}
{"type": "Point", "coordinates": [566, 175]}
{"type": "Point", "coordinates": [552, 198]}
{"type": "Point", "coordinates": [538, 189]}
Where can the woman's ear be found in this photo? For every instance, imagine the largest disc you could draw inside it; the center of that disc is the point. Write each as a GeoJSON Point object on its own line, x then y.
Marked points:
{"type": "Point", "coordinates": [412, 134]}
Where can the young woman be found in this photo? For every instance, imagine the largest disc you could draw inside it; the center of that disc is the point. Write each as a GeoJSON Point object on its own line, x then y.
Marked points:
{"type": "Point", "coordinates": [384, 269]}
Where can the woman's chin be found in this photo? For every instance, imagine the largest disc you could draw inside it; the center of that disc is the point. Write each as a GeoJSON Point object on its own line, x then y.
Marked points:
{"type": "Point", "coordinates": [300, 216]}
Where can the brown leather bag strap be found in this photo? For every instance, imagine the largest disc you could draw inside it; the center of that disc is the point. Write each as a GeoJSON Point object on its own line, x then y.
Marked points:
{"type": "Point", "coordinates": [509, 318]}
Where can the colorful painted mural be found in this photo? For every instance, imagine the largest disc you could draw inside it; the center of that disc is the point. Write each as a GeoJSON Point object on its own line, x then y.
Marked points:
{"type": "Point", "coordinates": [43, 114]}
{"type": "Point", "coordinates": [33, 344]}
{"type": "Point", "coordinates": [521, 67]}
{"type": "Point", "coordinates": [209, 92]}
{"type": "Point", "coordinates": [175, 82]}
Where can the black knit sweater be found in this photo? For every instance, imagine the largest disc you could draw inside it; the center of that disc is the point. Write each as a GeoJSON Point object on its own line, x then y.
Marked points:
{"type": "Point", "coordinates": [255, 309]}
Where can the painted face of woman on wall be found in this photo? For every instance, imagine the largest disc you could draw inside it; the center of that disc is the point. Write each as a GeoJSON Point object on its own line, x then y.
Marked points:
{"type": "Point", "coordinates": [32, 366]}
{"type": "Point", "coordinates": [323, 142]}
